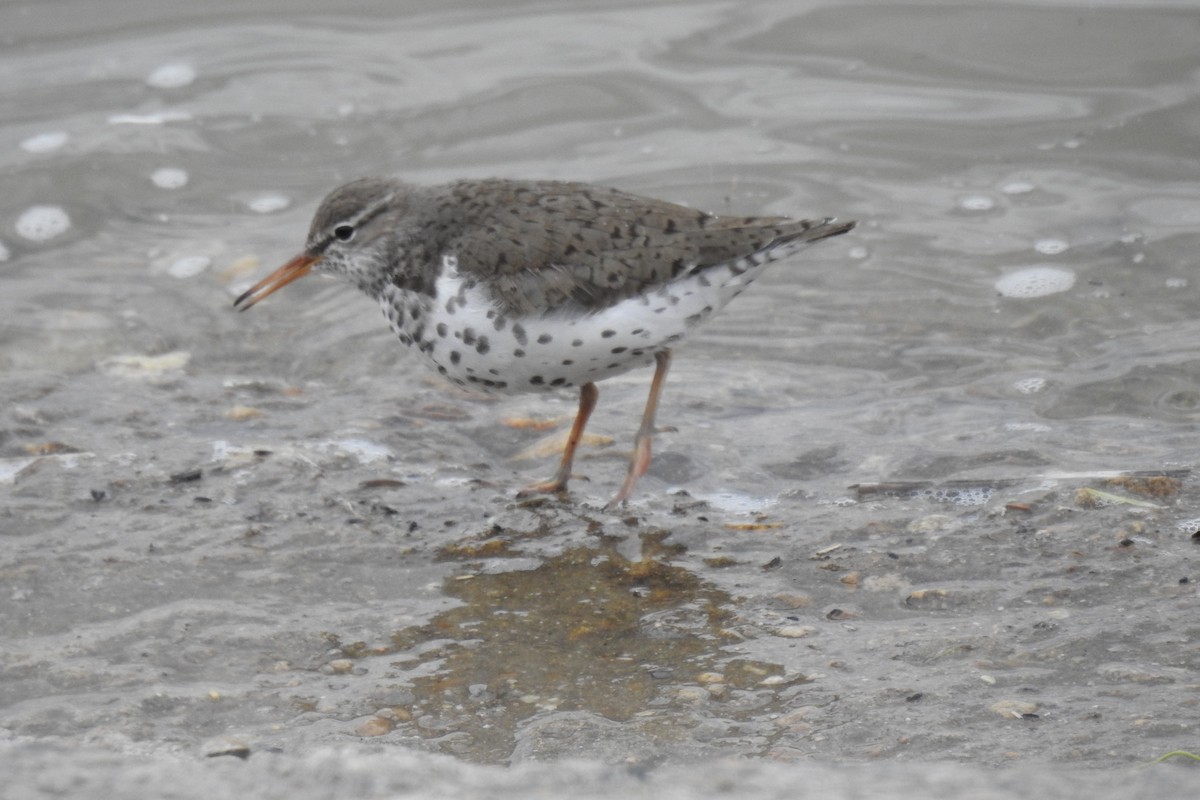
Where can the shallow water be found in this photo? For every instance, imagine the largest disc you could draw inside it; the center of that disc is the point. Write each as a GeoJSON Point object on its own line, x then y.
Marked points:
{"type": "Point", "coordinates": [277, 526]}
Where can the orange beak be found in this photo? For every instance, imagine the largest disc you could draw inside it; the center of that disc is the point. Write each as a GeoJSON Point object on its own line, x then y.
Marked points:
{"type": "Point", "coordinates": [298, 267]}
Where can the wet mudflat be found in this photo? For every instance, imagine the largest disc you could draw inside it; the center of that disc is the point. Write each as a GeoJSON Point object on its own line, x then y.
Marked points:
{"type": "Point", "coordinates": [929, 499]}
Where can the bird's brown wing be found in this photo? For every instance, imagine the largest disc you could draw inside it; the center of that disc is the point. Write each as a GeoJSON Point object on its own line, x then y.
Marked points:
{"type": "Point", "coordinates": [548, 245]}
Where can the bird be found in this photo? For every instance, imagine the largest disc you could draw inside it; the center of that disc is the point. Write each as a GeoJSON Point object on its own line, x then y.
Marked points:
{"type": "Point", "coordinates": [512, 286]}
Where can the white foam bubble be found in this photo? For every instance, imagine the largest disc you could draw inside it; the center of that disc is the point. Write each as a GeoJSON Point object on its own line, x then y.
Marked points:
{"type": "Point", "coordinates": [1190, 526]}
{"type": "Point", "coordinates": [189, 266]}
{"type": "Point", "coordinates": [1176, 283]}
{"type": "Point", "coordinates": [1035, 427]}
{"type": "Point", "coordinates": [1050, 247]}
{"type": "Point", "coordinates": [1030, 385]}
{"type": "Point", "coordinates": [1035, 281]}
{"type": "Point", "coordinates": [159, 118]}
{"type": "Point", "coordinates": [267, 203]}
{"type": "Point", "coordinates": [965, 496]}
{"type": "Point", "coordinates": [1017, 187]}
{"type": "Point", "coordinates": [976, 202]}
{"type": "Point", "coordinates": [169, 178]}
{"type": "Point", "coordinates": [40, 223]}
{"type": "Point", "coordinates": [172, 76]}
{"type": "Point", "coordinates": [44, 142]}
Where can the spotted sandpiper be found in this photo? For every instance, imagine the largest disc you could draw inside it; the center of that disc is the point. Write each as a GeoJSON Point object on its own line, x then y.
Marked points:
{"type": "Point", "coordinates": [526, 286]}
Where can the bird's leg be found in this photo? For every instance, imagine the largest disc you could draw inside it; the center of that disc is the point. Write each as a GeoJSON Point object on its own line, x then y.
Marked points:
{"type": "Point", "coordinates": [640, 461]}
{"type": "Point", "coordinates": [588, 395]}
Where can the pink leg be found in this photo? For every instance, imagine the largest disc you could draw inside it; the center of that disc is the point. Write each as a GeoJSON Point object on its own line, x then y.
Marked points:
{"type": "Point", "coordinates": [640, 461]}
{"type": "Point", "coordinates": [588, 395]}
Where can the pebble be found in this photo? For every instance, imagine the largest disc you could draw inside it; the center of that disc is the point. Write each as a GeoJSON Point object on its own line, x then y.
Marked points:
{"type": "Point", "coordinates": [795, 631]}
{"type": "Point", "coordinates": [226, 746]}
{"type": "Point", "coordinates": [374, 726]}
{"type": "Point", "coordinates": [341, 666]}
{"type": "Point", "coordinates": [1013, 709]}
{"type": "Point", "coordinates": [692, 694]}
{"type": "Point", "coordinates": [793, 599]}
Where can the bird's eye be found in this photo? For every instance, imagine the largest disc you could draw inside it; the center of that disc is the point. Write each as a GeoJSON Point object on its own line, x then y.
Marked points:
{"type": "Point", "coordinates": [344, 232]}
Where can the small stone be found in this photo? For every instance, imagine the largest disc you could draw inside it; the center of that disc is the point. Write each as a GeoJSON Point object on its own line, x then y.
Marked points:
{"type": "Point", "coordinates": [241, 413]}
{"type": "Point", "coordinates": [1013, 709]}
{"type": "Point", "coordinates": [710, 677]}
{"type": "Point", "coordinates": [226, 746]}
{"type": "Point", "coordinates": [795, 631]}
{"type": "Point", "coordinates": [692, 694]}
{"type": "Point", "coordinates": [374, 726]}
{"type": "Point", "coordinates": [793, 600]}
{"type": "Point", "coordinates": [341, 666]}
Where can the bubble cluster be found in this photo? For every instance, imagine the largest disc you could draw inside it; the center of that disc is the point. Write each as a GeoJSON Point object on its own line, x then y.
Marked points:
{"type": "Point", "coordinates": [41, 223]}
{"type": "Point", "coordinates": [959, 496]}
{"type": "Point", "coordinates": [1030, 385]}
{"type": "Point", "coordinates": [169, 178]}
{"type": "Point", "coordinates": [1189, 526]}
{"type": "Point", "coordinates": [1036, 281]}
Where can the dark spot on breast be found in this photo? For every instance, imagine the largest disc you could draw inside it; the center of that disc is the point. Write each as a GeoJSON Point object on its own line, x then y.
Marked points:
{"type": "Point", "coordinates": [619, 350]}
{"type": "Point", "coordinates": [614, 365]}
{"type": "Point", "coordinates": [608, 334]}
{"type": "Point", "coordinates": [519, 353]}
{"type": "Point", "coordinates": [499, 322]}
{"type": "Point", "coordinates": [537, 380]}
{"type": "Point", "coordinates": [482, 346]}
{"type": "Point", "coordinates": [558, 381]}
{"type": "Point", "coordinates": [545, 338]}
{"type": "Point", "coordinates": [468, 336]}
{"type": "Point", "coordinates": [442, 330]}
{"type": "Point", "coordinates": [567, 362]}
{"type": "Point", "coordinates": [405, 338]}
{"type": "Point", "coordinates": [455, 356]}
{"type": "Point", "coordinates": [519, 332]}
{"type": "Point", "coordinates": [577, 343]}
{"type": "Point", "coordinates": [637, 331]}
{"type": "Point", "coordinates": [441, 369]}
